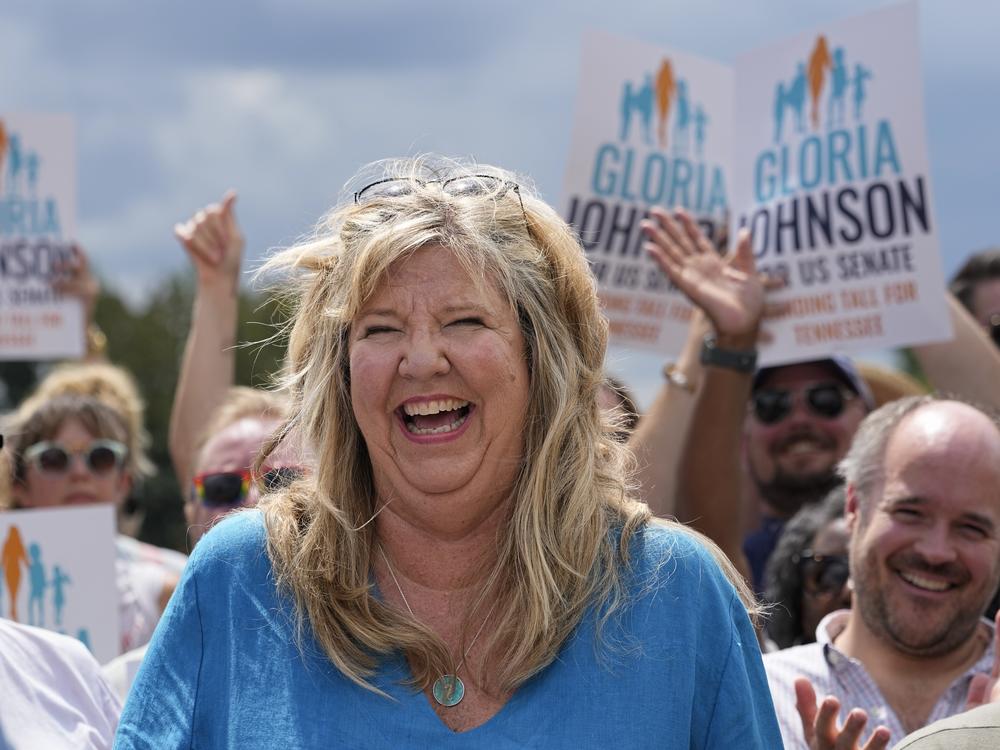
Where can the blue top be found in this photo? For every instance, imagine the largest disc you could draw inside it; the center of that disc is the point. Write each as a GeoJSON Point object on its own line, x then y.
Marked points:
{"type": "Point", "coordinates": [680, 668]}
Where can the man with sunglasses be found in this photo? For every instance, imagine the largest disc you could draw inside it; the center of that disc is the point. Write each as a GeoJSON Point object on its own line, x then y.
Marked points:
{"type": "Point", "coordinates": [800, 423]}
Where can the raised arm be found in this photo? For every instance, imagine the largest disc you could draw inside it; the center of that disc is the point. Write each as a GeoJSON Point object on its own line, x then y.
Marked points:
{"type": "Point", "coordinates": [658, 438]}
{"type": "Point", "coordinates": [74, 278]}
{"type": "Point", "coordinates": [968, 365]}
{"type": "Point", "coordinates": [214, 243]}
{"type": "Point", "coordinates": [731, 295]}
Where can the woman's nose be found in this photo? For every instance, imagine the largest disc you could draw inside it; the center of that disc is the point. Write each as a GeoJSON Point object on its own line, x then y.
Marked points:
{"type": "Point", "coordinates": [424, 357]}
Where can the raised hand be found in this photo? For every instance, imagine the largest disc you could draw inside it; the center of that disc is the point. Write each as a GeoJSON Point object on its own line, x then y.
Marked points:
{"type": "Point", "coordinates": [214, 242]}
{"type": "Point", "coordinates": [729, 289]}
{"type": "Point", "coordinates": [819, 725]}
{"type": "Point", "coordinates": [73, 278]}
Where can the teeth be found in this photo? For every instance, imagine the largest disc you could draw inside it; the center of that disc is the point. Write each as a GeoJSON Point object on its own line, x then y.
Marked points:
{"type": "Point", "coordinates": [925, 583]}
{"type": "Point", "coordinates": [425, 408]}
{"type": "Point", "coordinates": [436, 430]}
{"type": "Point", "coordinates": [803, 446]}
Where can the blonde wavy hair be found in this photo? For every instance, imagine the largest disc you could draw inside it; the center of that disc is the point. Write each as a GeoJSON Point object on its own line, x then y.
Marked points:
{"type": "Point", "coordinates": [565, 545]}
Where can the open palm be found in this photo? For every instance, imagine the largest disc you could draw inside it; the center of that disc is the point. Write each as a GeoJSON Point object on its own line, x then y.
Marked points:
{"type": "Point", "coordinates": [728, 289]}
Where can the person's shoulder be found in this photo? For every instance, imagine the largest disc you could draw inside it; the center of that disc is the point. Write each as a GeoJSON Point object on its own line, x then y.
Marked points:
{"type": "Point", "coordinates": [238, 539]}
{"type": "Point", "coordinates": [979, 727]}
{"type": "Point", "coordinates": [39, 646]}
{"type": "Point", "coordinates": [660, 543]}
{"type": "Point", "coordinates": [808, 660]}
{"type": "Point", "coordinates": [669, 556]}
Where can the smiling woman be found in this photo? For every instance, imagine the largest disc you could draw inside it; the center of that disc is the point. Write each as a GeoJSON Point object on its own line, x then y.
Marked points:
{"type": "Point", "coordinates": [466, 556]}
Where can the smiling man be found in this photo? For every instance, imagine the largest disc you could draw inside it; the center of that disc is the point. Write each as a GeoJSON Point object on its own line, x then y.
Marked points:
{"type": "Point", "coordinates": [923, 509]}
{"type": "Point", "coordinates": [800, 424]}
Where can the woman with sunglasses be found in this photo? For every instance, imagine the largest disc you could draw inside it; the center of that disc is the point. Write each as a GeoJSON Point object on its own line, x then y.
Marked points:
{"type": "Point", "coordinates": [72, 450]}
{"type": "Point", "coordinates": [807, 576]}
{"type": "Point", "coordinates": [463, 565]}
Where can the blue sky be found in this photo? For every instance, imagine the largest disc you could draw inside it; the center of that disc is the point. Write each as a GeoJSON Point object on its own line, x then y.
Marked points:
{"type": "Point", "coordinates": [284, 101]}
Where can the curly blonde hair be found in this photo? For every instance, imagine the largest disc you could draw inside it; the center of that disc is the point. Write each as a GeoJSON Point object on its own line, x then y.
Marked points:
{"type": "Point", "coordinates": [567, 538]}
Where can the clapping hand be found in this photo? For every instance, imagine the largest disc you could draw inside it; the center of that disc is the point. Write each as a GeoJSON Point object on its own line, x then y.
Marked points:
{"type": "Point", "coordinates": [819, 724]}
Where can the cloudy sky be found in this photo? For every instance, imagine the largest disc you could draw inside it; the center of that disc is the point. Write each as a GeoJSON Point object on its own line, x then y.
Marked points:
{"type": "Point", "coordinates": [175, 102]}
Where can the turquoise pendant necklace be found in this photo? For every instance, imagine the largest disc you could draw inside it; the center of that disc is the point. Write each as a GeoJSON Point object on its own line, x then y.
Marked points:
{"type": "Point", "coordinates": [448, 689]}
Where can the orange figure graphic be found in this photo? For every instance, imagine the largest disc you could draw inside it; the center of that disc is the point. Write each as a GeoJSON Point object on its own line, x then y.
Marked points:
{"type": "Point", "coordinates": [11, 556]}
{"type": "Point", "coordinates": [819, 62]}
{"type": "Point", "coordinates": [666, 86]}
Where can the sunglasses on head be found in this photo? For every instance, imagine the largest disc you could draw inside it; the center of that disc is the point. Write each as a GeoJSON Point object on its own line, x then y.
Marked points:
{"type": "Point", "coordinates": [827, 400]}
{"type": "Point", "coordinates": [822, 574]}
{"type": "Point", "coordinates": [231, 488]}
{"type": "Point", "coordinates": [100, 457]}
{"type": "Point", "coordinates": [461, 186]}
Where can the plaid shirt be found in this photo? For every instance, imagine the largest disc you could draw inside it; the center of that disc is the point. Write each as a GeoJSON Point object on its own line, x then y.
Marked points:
{"type": "Point", "coordinates": [832, 672]}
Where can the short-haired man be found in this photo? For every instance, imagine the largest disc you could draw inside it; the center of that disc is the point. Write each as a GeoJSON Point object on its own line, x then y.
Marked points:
{"type": "Point", "coordinates": [923, 509]}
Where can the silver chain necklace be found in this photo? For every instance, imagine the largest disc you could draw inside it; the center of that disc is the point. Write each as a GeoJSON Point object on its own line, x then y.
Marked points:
{"type": "Point", "coordinates": [448, 689]}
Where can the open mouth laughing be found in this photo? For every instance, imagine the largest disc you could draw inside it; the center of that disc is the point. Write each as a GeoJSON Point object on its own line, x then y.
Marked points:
{"type": "Point", "coordinates": [439, 416]}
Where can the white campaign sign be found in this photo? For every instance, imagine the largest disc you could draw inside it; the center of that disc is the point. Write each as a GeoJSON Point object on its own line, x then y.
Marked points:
{"type": "Point", "coordinates": [831, 174]}
{"type": "Point", "coordinates": [58, 572]}
{"type": "Point", "coordinates": [37, 226]}
{"type": "Point", "coordinates": [652, 127]}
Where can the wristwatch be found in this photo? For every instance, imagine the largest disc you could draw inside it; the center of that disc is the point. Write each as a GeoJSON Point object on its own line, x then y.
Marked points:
{"type": "Point", "coordinates": [713, 356]}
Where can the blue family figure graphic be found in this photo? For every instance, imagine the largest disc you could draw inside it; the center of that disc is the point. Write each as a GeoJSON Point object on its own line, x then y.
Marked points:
{"type": "Point", "coordinates": [796, 97]}
{"type": "Point", "coordinates": [780, 100]}
{"type": "Point", "coordinates": [626, 109]}
{"type": "Point", "coordinates": [14, 160]}
{"type": "Point", "coordinates": [682, 119]}
{"type": "Point", "coordinates": [861, 76]}
{"type": "Point", "coordinates": [59, 581]}
{"type": "Point", "coordinates": [838, 89]}
{"type": "Point", "coordinates": [31, 165]}
{"type": "Point", "coordinates": [36, 579]}
{"type": "Point", "coordinates": [83, 635]}
{"type": "Point", "coordinates": [644, 106]}
{"type": "Point", "coordinates": [700, 124]}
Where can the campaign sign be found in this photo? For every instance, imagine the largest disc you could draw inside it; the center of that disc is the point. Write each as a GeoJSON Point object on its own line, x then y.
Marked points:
{"type": "Point", "coordinates": [653, 127]}
{"type": "Point", "coordinates": [59, 573]}
{"type": "Point", "coordinates": [831, 175]}
{"type": "Point", "coordinates": [37, 225]}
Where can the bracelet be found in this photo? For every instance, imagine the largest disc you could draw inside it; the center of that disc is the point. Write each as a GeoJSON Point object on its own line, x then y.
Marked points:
{"type": "Point", "coordinates": [740, 361]}
{"type": "Point", "coordinates": [674, 376]}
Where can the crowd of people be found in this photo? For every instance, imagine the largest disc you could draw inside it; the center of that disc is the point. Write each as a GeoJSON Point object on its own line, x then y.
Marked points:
{"type": "Point", "coordinates": [446, 523]}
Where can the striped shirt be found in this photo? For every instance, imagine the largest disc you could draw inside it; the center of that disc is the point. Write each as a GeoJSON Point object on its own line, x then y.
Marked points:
{"type": "Point", "coordinates": [832, 672]}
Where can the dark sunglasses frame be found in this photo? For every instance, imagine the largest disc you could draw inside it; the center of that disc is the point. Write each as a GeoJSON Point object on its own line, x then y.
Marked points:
{"type": "Point", "coordinates": [995, 328]}
{"type": "Point", "coordinates": [771, 405]}
{"type": "Point", "coordinates": [823, 565]}
{"type": "Point", "coordinates": [35, 455]}
{"type": "Point", "coordinates": [226, 489]}
{"type": "Point", "coordinates": [476, 181]}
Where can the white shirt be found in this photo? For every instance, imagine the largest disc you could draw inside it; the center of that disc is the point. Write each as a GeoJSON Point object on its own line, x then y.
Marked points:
{"type": "Point", "coordinates": [832, 672]}
{"type": "Point", "coordinates": [52, 694]}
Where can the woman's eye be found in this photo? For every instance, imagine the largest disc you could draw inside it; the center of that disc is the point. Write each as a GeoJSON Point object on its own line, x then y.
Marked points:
{"type": "Point", "coordinates": [467, 322]}
{"type": "Point", "coordinates": [906, 514]}
{"type": "Point", "coordinates": [375, 330]}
